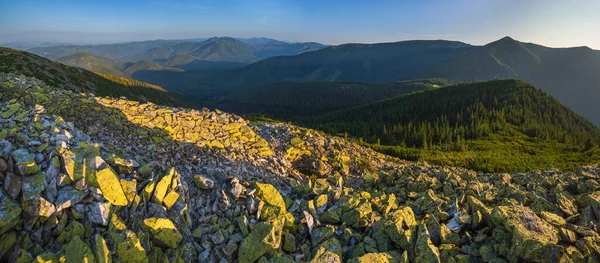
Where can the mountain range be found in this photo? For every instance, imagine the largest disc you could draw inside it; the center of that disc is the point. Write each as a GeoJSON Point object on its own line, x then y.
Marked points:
{"type": "Point", "coordinates": [568, 74]}
{"type": "Point", "coordinates": [209, 71]}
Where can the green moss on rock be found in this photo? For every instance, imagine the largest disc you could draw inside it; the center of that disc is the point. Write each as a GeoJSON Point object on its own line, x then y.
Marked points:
{"type": "Point", "coordinates": [163, 231]}
{"type": "Point", "coordinates": [111, 187]}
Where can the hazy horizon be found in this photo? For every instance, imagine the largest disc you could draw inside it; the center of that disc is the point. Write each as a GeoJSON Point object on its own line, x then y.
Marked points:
{"type": "Point", "coordinates": [469, 21]}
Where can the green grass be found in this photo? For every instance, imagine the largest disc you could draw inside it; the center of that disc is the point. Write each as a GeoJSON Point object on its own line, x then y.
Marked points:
{"type": "Point", "coordinates": [499, 153]}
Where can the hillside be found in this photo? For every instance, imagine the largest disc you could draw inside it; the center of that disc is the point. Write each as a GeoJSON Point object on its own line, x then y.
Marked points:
{"type": "Point", "coordinates": [568, 74]}
{"type": "Point", "coordinates": [492, 126]}
{"type": "Point", "coordinates": [80, 80]}
{"type": "Point", "coordinates": [94, 179]}
{"type": "Point", "coordinates": [117, 51]}
{"type": "Point", "coordinates": [211, 49]}
{"type": "Point", "coordinates": [293, 99]}
{"type": "Point", "coordinates": [92, 63]}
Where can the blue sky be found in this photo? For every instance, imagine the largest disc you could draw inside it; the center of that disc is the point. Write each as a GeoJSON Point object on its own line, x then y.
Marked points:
{"type": "Point", "coordinates": [556, 23]}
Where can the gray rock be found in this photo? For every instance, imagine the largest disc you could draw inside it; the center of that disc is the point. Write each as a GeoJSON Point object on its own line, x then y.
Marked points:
{"type": "Point", "coordinates": [217, 237]}
{"type": "Point", "coordinates": [51, 190]}
{"type": "Point", "coordinates": [204, 256]}
{"type": "Point", "coordinates": [67, 197]}
{"type": "Point", "coordinates": [5, 149]}
{"type": "Point", "coordinates": [25, 162]}
{"type": "Point", "coordinates": [39, 158]}
{"type": "Point", "coordinates": [33, 186]}
{"type": "Point", "coordinates": [3, 165]}
{"type": "Point", "coordinates": [203, 182]}
{"type": "Point", "coordinates": [34, 143]}
{"type": "Point", "coordinates": [13, 185]}
{"type": "Point", "coordinates": [38, 207]}
{"type": "Point", "coordinates": [98, 213]}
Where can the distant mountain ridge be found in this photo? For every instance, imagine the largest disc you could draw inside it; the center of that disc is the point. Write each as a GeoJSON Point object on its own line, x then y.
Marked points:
{"type": "Point", "coordinates": [568, 74]}
{"type": "Point", "coordinates": [211, 49]}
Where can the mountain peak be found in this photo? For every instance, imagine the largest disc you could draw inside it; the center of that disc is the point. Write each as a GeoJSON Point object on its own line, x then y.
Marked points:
{"type": "Point", "coordinates": [503, 41]}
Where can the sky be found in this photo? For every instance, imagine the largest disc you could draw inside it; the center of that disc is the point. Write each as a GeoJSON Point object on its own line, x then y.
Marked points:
{"type": "Point", "coordinates": [554, 23]}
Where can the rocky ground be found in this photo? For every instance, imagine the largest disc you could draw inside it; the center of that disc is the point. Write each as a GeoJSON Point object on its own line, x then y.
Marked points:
{"type": "Point", "coordinates": [89, 179]}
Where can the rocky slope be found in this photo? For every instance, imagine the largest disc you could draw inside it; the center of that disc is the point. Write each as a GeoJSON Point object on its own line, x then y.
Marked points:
{"type": "Point", "coordinates": [92, 179]}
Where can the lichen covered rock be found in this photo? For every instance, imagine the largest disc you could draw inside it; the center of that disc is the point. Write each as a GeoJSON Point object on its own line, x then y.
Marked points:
{"type": "Point", "coordinates": [163, 231]}
{"type": "Point", "coordinates": [532, 239]}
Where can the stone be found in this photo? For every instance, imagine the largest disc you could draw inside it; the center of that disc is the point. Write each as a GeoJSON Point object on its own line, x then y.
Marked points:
{"type": "Point", "coordinates": [170, 199]}
{"type": "Point", "coordinates": [6, 242]}
{"type": "Point", "coordinates": [13, 185]}
{"type": "Point", "coordinates": [401, 227]}
{"type": "Point", "coordinates": [77, 251]}
{"type": "Point", "coordinates": [217, 238]}
{"type": "Point", "coordinates": [296, 141]}
{"type": "Point", "coordinates": [128, 247]}
{"type": "Point", "coordinates": [25, 162]}
{"type": "Point", "coordinates": [77, 162]}
{"type": "Point", "coordinates": [289, 243]}
{"type": "Point", "coordinates": [328, 252]}
{"type": "Point", "coordinates": [10, 213]}
{"type": "Point", "coordinates": [101, 251]}
{"type": "Point", "coordinates": [269, 194]}
{"type": "Point", "coordinates": [203, 182]}
{"type": "Point", "coordinates": [5, 149]}
{"type": "Point", "coordinates": [98, 213]}
{"type": "Point", "coordinates": [33, 186]}
{"type": "Point", "coordinates": [74, 228]}
{"type": "Point", "coordinates": [163, 232]}
{"type": "Point", "coordinates": [47, 257]}
{"type": "Point", "coordinates": [111, 187]}
{"type": "Point", "coordinates": [533, 239]}
{"type": "Point", "coordinates": [320, 234]}
{"type": "Point", "coordinates": [123, 165]}
{"type": "Point", "coordinates": [230, 248]}
{"type": "Point", "coordinates": [425, 251]}
{"type": "Point", "coordinates": [243, 224]}
{"type": "Point", "coordinates": [68, 197]}
{"type": "Point", "coordinates": [385, 257]}
{"type": "Point", "coordinates": [321, 203]}
{"type": "Point", "coordinates": [38, 207]}
{"type": "Point", "coordinates": [163, 186]}
{"type": "Point", "coordinates": [553, 219]}
{"type": "Point", "coordinates": [263, 238]}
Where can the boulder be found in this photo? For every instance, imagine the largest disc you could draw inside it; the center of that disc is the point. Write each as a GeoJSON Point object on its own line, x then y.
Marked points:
{"type": "Point", "coordinates": [425, 250]}
{"type": "Point", "coordinates": [533, 239]}
{"type": "Point", "coordinates": [401, 227]}
{"type": "Point", "coordinates": [328, 252]}
{"type": "Point", "coordinates": [77, 251]}
{"type": "Point", "coordinates": [163, 231]}
{"type": "Point", "coordinates": [203, 182]}
{"type": "Point", "coordinates": [162, 187]}
{"type": "Point", "coordinates": [10, 212]}
{"type": "Point", "coordinates": [101, 251]}
{"type": "Point", "coordinates": [111, 187]}
{"type": "Point", "coordinates": [384, 257]}
{"type": "Point", "coordinates": [98, 213]}
{"type": "Point", "coordinates": [263, 237]}
{"type": "Point", "coordinates": [269, 194]}
{"type": "Point", "coordinates": [25, 162]}
{"type": "Point", "coordinates": [67, 197]}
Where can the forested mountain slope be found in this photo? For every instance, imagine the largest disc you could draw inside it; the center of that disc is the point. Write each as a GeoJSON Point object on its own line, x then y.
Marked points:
{"type": "Point", "coordinates": [289, 100]}
{"type": "Point", "coordinates": [507, 124]}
